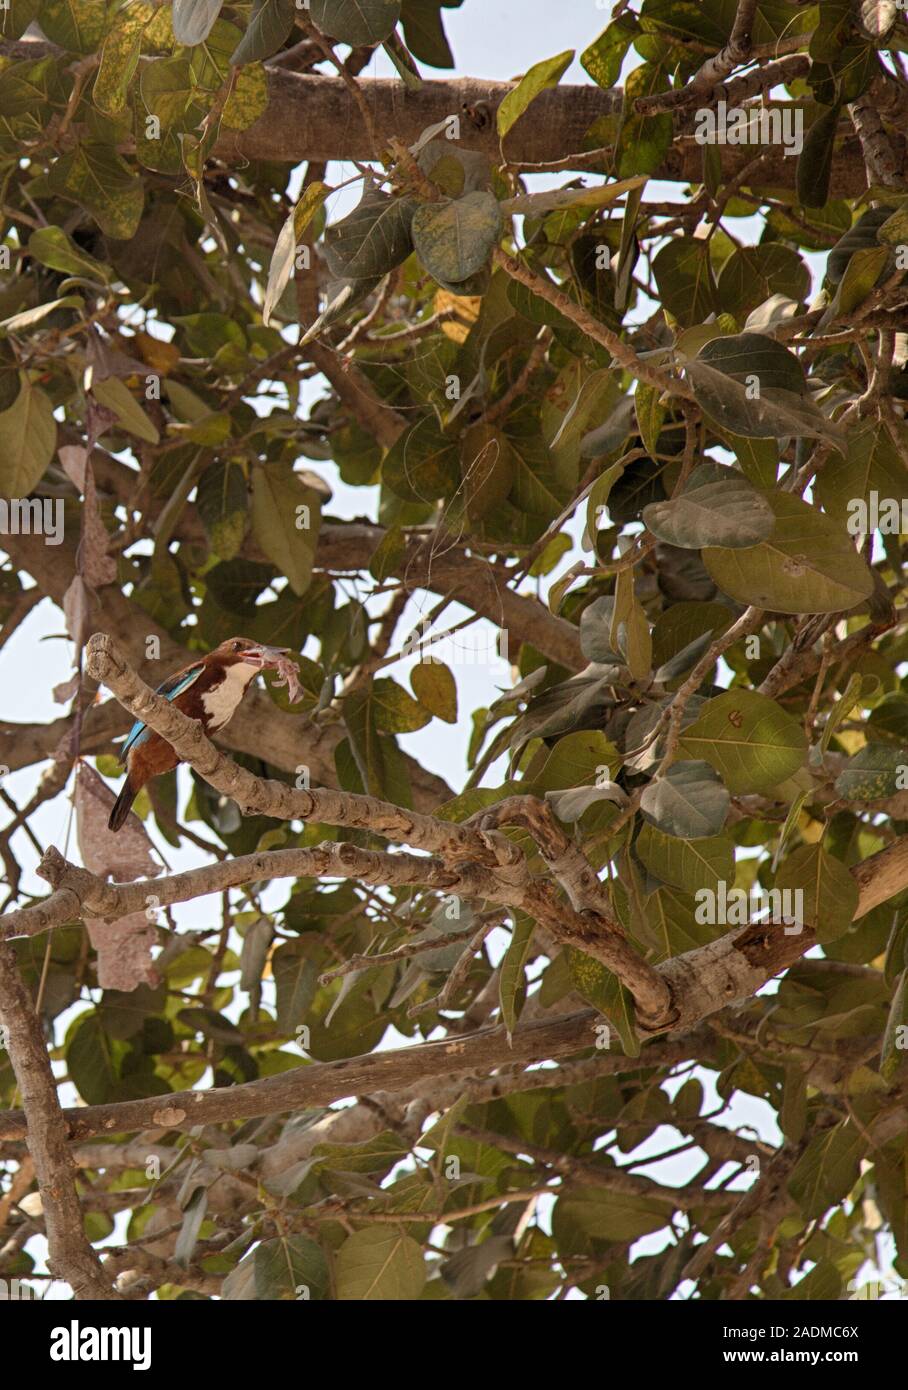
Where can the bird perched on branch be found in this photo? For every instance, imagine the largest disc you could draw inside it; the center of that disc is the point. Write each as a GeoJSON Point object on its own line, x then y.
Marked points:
{"type": "Point", "coordinates": [208, 690]}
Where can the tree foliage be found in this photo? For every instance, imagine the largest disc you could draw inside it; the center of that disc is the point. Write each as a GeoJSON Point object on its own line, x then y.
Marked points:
{"type": "Point", "coordinates": [645, 417]}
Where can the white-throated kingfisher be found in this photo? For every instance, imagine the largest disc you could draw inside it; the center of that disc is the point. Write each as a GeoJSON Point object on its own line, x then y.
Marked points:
{"type": "Point", "coordinates": [208, 690]}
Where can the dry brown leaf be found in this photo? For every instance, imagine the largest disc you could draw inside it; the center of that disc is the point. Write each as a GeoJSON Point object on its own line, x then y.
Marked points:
{"type": "Point", "coordinates": [98, 568]}
{"type": "Point", "coordinates": [123, 946]}
{"type": "Point", "coordinates": [124, 951]}
{"type": "Point", "coordinates": [64, 692]}
{"type": "Point", "coordinates": [123, 856]}
{"type": "Point", "coordinates": [77, 608]}
{"type": "Point", "coordinates": [73, 458]}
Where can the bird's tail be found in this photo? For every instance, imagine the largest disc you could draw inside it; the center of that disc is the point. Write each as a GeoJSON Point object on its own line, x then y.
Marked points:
{"type": "Point", "coordinates": [123, 804]}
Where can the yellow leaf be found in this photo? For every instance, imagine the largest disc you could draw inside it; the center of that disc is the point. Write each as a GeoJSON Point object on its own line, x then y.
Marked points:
{"type": "Point", "coordinates": [163, 357]}
{"type": "Point", "coordinates": [465, 311]}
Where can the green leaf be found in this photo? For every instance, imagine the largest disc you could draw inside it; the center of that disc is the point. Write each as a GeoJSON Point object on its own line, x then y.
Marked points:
{"type": "Point", "coordinates": [379, 1263]}
{"type": "Point", "coordinates": [578, 757]}
{"type": "Point", "coordinates": [643, 141]}
{"type": "Point", "coordinates": [269, 25]}
{"type": "Point", "coordinates": [28, 437]}
{"type": "Point", "coordinates": [603, 58]}
{"type": "Point", "coordinates": [895, 1038]}
{"type": "Point", "coordinates": [844, 705]}
{"type": "Point", "coordinates": [454, 238]}
{"type": "Point", "coordinates": [423, 464]}
{"type": "Point", "coordinates": [595, 631]}
{"type": "Point", "coordinates": [688, 864]}
{"type": "Point", "coordinates": [99, 180]}
{"type": "Point", "coordinates": [424, 32]}
{"type": "Point", "coordinates": [605, 1215]}
{"type": "Point", "coordinates": [827, 1170]}
{"type": "Point", "coordinates": [793, 1111]}
{"type": "Point", "coordinates": [888, 721]}
{"type": "Point", "coordinates": [537, 79]}
{"type": "Point", "coordinates": [650, 415]}
{"type": "Point", "coordinates": [52, 247]}
{"type": "Point", "coordinates": [751, 385]}
{"type": "Point", "coordinates": [286, 515]}
{"type": "Point", "coordinates": [31, 317]}
{"type": "Point", "coordinates": [750, 741]}
{"type": "Point", "coordinates": [403, 61]}
{"type": "Point", "coordinates": [752, 275]}
{"type": "Point", "coordinates": [689, 800]}
{"type": "Point", "coordinates": [365, 744]}
{"type": "Point", "coordinates": [809, 565]}
{"type": "Point", "coordinates": [598, 499]}
{"type": "Point", "coordinates": [872, 463]}
{"type": "Point", "coordinates": [862, 274]}
{"type": "Point", "coordinates": [759, 458]}
{"type": "Point", "coordinates": [76, 25]}
{"type": "Point", "coordinates": [290, 1267]}
{"type": "Point", "coordinates": [671, 916]}
{"type": "Point", "coordinates": [378, 1154]}
{"type": "Point", "coordinates": [863, 236]}
{"type": "Point", "coordinates": [372, 239]}
{"type": "Point", "coordinates": [512, 980]}
{"type": "Point", "coordinates": [116, 396]}
{"type": "Point", "coordinates": [389, 554]}
{"type": "Point", "coordinates": [119, 60]}
{"type": "Point", "coordinates": [90, 1061]}
{"type": "Point", "coordinates": [284, 255]}
{"type": "Point", "coordinates": [600, 988]}
{"type": "Point", "coordinates": [296, 980]}
{"type": "Point", "coordinates": [248, 99]}
{"type": "Point", "coordinates": [435, 689]}
{"type": "Point", "coordinates": [193, 1216]}
{"type": "Point", "coordinates": [876, 771]}
{"type": "Point", "coordinates": [222, 505]}
{"type": "Point", "coordinates": [716, 507]}
{"type": "Point", "coordinates": [684, 276]}
{"type": "Point", "coordinates": [356, 21]}
{"type": "Point", "coordinates": [629, 628]}
{"type": "Point", "coordinates": [17, 16]}
{"type": "Point", "coordinates": [830, 892]}
{"type": "Point", "coordinates": [538, 203]}
{"type": "Point", "coordinates": [396, 712]}
{"type": "Point", "coordinates": [815, 159]}
{"type": "Point", "coordinates": [822, 1284]}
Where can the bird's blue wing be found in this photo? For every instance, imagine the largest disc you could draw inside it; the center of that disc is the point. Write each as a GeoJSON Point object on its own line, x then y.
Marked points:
{"type": "Point", "coordinates": [171, 688]}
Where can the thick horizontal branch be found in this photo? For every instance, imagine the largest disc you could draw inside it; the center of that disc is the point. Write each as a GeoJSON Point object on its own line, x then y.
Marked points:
{"type": "Point", "coordinates": [315, 118]}
{"type": "Point", "coordinates": [312, 117]}
{"type": "Point", "coordinates": [80, 894]}
{"type": "Point", "coordinates": [322, 1083]}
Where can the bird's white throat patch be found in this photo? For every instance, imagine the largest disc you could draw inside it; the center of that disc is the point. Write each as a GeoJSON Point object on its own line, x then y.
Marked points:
{"type": "Point", "coordinates": [221, 701]}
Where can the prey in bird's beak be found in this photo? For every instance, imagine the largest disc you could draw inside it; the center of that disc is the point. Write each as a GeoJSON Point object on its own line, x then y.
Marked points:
{"type": "Point", "coordinates": [277, 659]}
{"type": "Point", "coordinates": [266, 658]}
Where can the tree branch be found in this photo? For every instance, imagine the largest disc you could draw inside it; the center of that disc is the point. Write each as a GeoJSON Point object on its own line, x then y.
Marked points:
{"type": "Point", "coordinates": [70, 1255]}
